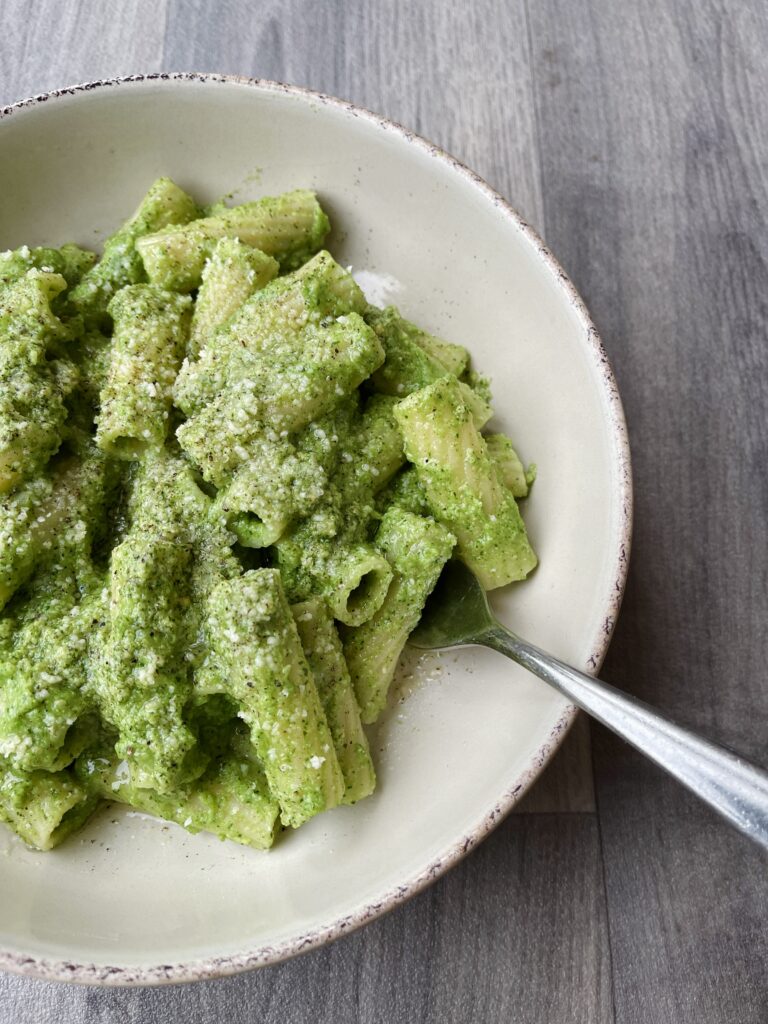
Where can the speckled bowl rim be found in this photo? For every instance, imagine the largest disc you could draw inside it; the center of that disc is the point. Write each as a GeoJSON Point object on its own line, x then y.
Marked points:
{"type": "Point", "coordinates": [217, 967]}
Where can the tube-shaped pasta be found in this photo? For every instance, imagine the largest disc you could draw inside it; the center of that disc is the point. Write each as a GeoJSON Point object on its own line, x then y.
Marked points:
{"type": "Point", "coordinates": [45, 706]}
{"type": "Point", "coordinates": [43, 808]}
{"type": "Point", "coordinates": [45, 512]}
{"type": "Point", "coordinates": [252, 632]}
{"type": "Point", "coordinates": [276, 485]}
{"type": "Point", "coordinates": [165, 502]}
{"type": "Point", "coordinates": [306, 385]}
{"type": "Point", "coordinates": [355, 581]}
{"type": "Point", "coordinates": [415, 359]}
{"type": "Point", "coordinates": [142, 680]}
{"type": "Point", "coordinates": [323, 651]}
{"type": "Point", "coordinates": [281, 391]}
{"type": "Point", "coordinates": [476, 403]}
{"type": "Point", "coordinates": [267, 483]}
{"type": "Point", "coordinates": [511, 470]}
{"type": "Point", "coordinates": [231, 798]}
{"type": "Point", "coordinates": [90, 354]}
{"type": "Point", "coordinates": [120, 264]}
{"type": "Point", "coordinates": [417, 549]}
{"type": "Point", "coordinates": [463, 486]}
{"type": "Point", "coordinates": [302, 387]}
{"type": "Point", "coordinates": [252, 448]}
{"type": "Point", "coordinates": [283, 317]}
{"type": "Point", "coordinates": [70, 261]}
{"type": "Point", "coordinates": [455, 358]}
{"type": "Point", "coordinates": [324, 556]}
{"type": "Point", "coordinates": [374, 453]}
{"type": "Point", "coordinates": [163, 497]}
{"type": "Point", "coordinates": [411, 362]}
{"type": "Point", "coordinates": [405, 491]}
{"type": "Point", "coordinates": [328, 553]}
{"type": "Point", "coordinates": [232, 275]}
{"type": "Point", "coordinates": [290, 227]}
{"type": "Point", "coordinates": [148, 347]}
{"type": "Point", "coordinates": [32, 392]}
{"type": "Point", "coordinates": [45, 702]}
{"type": "Point", "coordinates": [22, 536]}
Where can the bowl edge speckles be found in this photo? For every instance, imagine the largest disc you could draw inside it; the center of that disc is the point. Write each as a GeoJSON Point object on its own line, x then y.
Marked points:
{"type": "Point", "coordinates": [213, 967]}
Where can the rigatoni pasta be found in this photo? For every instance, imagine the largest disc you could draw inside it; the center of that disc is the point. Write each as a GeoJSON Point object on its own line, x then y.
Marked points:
{"type": "Point", "coordinates": [231, 797]}
{"type": "Point", "coordinates": [228, 485]}
{"type": "Point", "coordinates": [66, 502]}
{"type": "Point", "coordinates": [142, 679]}
{"type": "Point", "coordinates": [463, 485]}
{"type": "Point", "coordinates": [32, 392]}
{"type": "Point", "coordinates": [121, 264]}
{"type": "Point", "coordinates": [43, 808]}
{"type": "Point", "coordinates": [69, 261]}
{"type": "Point", "coordinates": [234, 272]}
{"type": "Point", "coordinates": [325, 657]}
{"type": "Point", "coordinates": [513, 474]}
{"type": "Point", "coordinates": [253, 633]}
{"type": "Point", "coordinates": [148, 345]}
{"type": "Point", "coordinates": [417, 548]}
{"type": "Point", "coordinates": [290, 227]}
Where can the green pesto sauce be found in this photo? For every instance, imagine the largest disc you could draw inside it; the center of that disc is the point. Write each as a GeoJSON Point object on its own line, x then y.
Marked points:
{"type": "Point", "coordinates": [208, 423]}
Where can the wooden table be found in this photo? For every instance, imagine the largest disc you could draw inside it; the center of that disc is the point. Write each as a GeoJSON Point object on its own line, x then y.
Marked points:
{"type": "Point", "coordinates": [633, 134]}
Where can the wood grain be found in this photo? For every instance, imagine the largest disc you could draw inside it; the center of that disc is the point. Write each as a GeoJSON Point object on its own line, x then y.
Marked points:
{"type": "Point", "coordinates": [515, 933]}
{"type": "Point", "coordinates": [417, 63]}
{"type": "Point", "coordinates": [51, 44]}
{"type": "Point", "coordinates": [661, 215]}
{"type": "Point", "coordinates": [567, 783]}
{"type": "Point", "coordinates": [634, 137]}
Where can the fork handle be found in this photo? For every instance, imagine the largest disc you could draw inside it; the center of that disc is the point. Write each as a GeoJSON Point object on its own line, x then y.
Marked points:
{"type": "Point", "coordinates": [731, 785]}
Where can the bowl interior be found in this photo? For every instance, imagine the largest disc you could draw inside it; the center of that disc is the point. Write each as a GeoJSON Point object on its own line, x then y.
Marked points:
{"type": "Point", "coordinates": [419, 232]}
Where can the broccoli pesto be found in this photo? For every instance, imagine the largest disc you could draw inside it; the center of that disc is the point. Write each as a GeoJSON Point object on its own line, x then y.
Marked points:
{"type": "Point", "coordinates": [228, 485]}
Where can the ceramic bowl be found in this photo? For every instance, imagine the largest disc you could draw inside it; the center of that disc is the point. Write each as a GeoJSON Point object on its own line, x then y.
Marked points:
{"type": "Point", "coordinates": [132, 900]}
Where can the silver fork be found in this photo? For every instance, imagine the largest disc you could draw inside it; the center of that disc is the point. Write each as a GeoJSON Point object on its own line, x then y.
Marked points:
{"type": "Point", "coordinates": [457, 615]}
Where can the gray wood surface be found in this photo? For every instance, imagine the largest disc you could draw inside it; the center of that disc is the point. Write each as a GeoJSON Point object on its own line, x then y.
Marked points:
{"type": "Point", "coordinates": [633, 135]}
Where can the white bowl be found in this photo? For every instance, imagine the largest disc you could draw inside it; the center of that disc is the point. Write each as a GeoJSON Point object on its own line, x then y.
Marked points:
{"type": "Point", "coordinates": [131, 900]}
